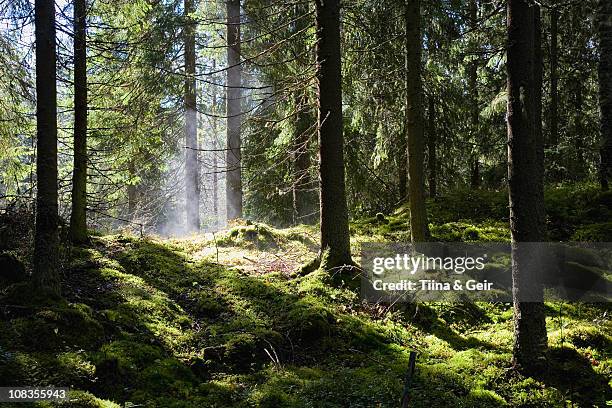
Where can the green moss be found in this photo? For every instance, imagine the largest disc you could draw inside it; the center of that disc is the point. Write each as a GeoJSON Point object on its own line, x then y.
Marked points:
{"type": "Point", "coordinates": [80, 399]}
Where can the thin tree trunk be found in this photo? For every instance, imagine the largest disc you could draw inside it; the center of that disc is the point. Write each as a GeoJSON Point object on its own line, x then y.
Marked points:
{"type": "Point", "coordinates": [234, 73]}
{"type": "Point", "coordinates": [301, 162]}
{"type": "Point", "coordinates": [475, 110]}
{"type": "Point", "coordinates": [302, 207]}
{"type": "Point", "coordinates": [215, 166]}
{"type": "Point", "coordinates": [524, 179]}
{"type": "Point", "coordinates": [431, 147]}
{"type": "Point", "coordinates": [192, 173]}
{"type": "Point", "coordinates": [553, 137]}
{"type": "Point", "coordinates": [335, 239]}
{"type": "Point", "coordinates": [78, 217]}
{"type": "Point", "coordinates": [605, 90]}
{"type": "Point", "coordinates": [414, 122]}
{"type": "Point", "coordinates": [46, 240]}
{"type": "Point", "coordinates": [131, 190]}
{"type": "Point", "coordinates": [402, 171]}
{"type": "Point", "coordinates": [538, 81]}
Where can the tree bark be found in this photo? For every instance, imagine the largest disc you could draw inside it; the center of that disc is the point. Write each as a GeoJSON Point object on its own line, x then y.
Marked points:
{"type": "Point", "coordinates": [553, 137]}
{"type": "Point", "coordinates": [215, 165]}
{"type": "Point", "coordinates": [475, 110]}
{"type": "Point", "coordinates": [192, 171]}
{"type": "Point", "coordinates": [605, 90]}
{"type": "Point", "coordinates": [335, 239]}
{"type": "Point", "coordinates": [525, 181]}
{"type": "Point", "coordinates": [78, 217]}
{"type": "Point", "coordinates": [301, 162]}
{"type": "Point", "coordinates": [46, 240]}
{"type": "Point", "coordinates": [431, 149]}
{"type": "Point", "coordinates": [414, 122]}
{"type": "Point", "coordinates": [234, 73]}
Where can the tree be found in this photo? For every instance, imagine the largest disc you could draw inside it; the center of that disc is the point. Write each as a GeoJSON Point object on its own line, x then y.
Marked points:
{"type": "Point", "coordinates": [605, 90]}
{"type": "Point", "coordinates": [335, 239]}
{"type": "Point", "coordinates": [474, 107]}
{"type": "Point", "coordinates": [553, 137]}
{"type": "Point", "coordinates": [78, 217]}
{"type": "Point", "coordinates": [192, 174]}
{"type": "Point", "coordinates": [233, 112]}
{"type": "Point", "coordinates": [46, 239]}
{"type": "Point", "coordinates": [432, 161]}
{"type": "Point", "coordinates": [525, 180]}
{"type": "Point", "coordinates": [415, 135]}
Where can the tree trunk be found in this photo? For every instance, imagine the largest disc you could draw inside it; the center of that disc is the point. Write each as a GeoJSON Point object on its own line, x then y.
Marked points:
{"type": "Point", "coordinates": [234, 95]}
{"type": "Point", "coordinates": [301, 162]}
{"type": "Point", "coordinates": [131, 190]}
{"type": "Point", "coordinates": [414, 122]}
{"type": "Point", "coordinates": [335, 239]}
{"type": "Point", "coordinates": [538, 81]}
{"type": "Point", "coordinates": [215, 166]}
{"type": "Point", "coordinates": [553, 137]}
{"type": "Point", "coordinates": [46, 240]}
{"type": "Point", "coordinates": [402, 171]}
{"type": "Point", "coordinates": [431, 149]}
{"type": "Point", "coordinates": [302, 204]}
{"type": "Point", "coordinates": [605, 89]}
{"type": "Point", "coordinates": [78, 217]}
{"type": "Point", "coordinates": [475, 110]}
{"type": "Point", "coordinates": [524, 181]}
{"type": "Point", "coordinates": [192, 173]}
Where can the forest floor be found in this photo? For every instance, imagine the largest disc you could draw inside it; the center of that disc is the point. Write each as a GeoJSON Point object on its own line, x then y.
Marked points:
{"type": "Point", "coordinates": [226, 321]}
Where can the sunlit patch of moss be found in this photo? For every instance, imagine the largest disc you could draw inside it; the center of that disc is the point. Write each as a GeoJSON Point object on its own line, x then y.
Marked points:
{"type": "Point", "coordinates": [79, 399]}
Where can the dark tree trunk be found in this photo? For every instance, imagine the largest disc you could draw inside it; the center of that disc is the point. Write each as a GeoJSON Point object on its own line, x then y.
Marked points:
{"type": "Point", "coordinates": [605, 89]}
{"type": "Point", "coordinates": [402, 171]}
{"type": "Point", "coordinates": [431, 147]}
{"type": "Point", "coordinates": [192, 173]}
{"type": "Point", "coordinates": [415, 122]}
{"type": "Point", "coordinates": [78, 217]}
{"type": "Point", "coordinates": [335, 239]}
{"type": "Point", "coordinates": [46, 240]}
{"type": "Point", "coordinates": [553, 137]}
{"type": "Point", "coordinates": [301, 162]}
{"type": "Point", "coordinates": [234, 73]}
{"type": "Point", "coordinates": [302, 203]}
{"type": "Point", "coordinates": [525, 181]}
{"type": "Point", "coordinates": [538, 80]}
{"type": "Point", "coordinates": [475, 110]}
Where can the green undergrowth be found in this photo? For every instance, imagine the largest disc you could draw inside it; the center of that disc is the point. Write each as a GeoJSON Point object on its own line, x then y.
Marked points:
{"type": "Point", "coordinates": [170, 323]}
{"type": "Point", "coordinates": [144, 324]}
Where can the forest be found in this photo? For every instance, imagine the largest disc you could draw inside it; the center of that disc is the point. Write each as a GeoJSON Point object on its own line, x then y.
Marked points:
{"type": "Point", "coordinates": [194, 195]}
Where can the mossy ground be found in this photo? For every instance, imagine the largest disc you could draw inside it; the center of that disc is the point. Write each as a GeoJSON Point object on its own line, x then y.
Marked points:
{"type": "Point", "coordinates": [191, 323]}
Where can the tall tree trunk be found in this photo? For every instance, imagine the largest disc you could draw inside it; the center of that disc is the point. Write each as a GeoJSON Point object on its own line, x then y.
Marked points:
{"type": "Point", "coordinates": [215, 166]}
{"type": "Point", "coordinates": [234, 73]}
{"type": "Point", "coordinates": [475, 110]}
{"type": "Point", "coordinates": [605, 90]}
{"type": "Point", "coordinates": [46, 240]}
{"type": "Point", "coordinates": [402, 171]}
{"type": "Point", "coordinates": [553, 137]}
{"type": "Point", "coordinates": [302, 208]}
{"type": "Point", "coordinates": [538, 81]}
{"type": "Point", "coordinates": [301, 161]}
{"type": "Point", "coordinates": [78, 217]}
{"type": "Point", "coordinates": [431, 149]}
{"type": "Point", "coordinates": [414, 122]}
{"type": "Point", "coordinates": [131, 190]}
{"type": "Point", "coordinates": [335, 237]}
{"type": "Point", "coordinates": [192, 171]}
{"type": "Point", "coordinates": [524, 181]}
